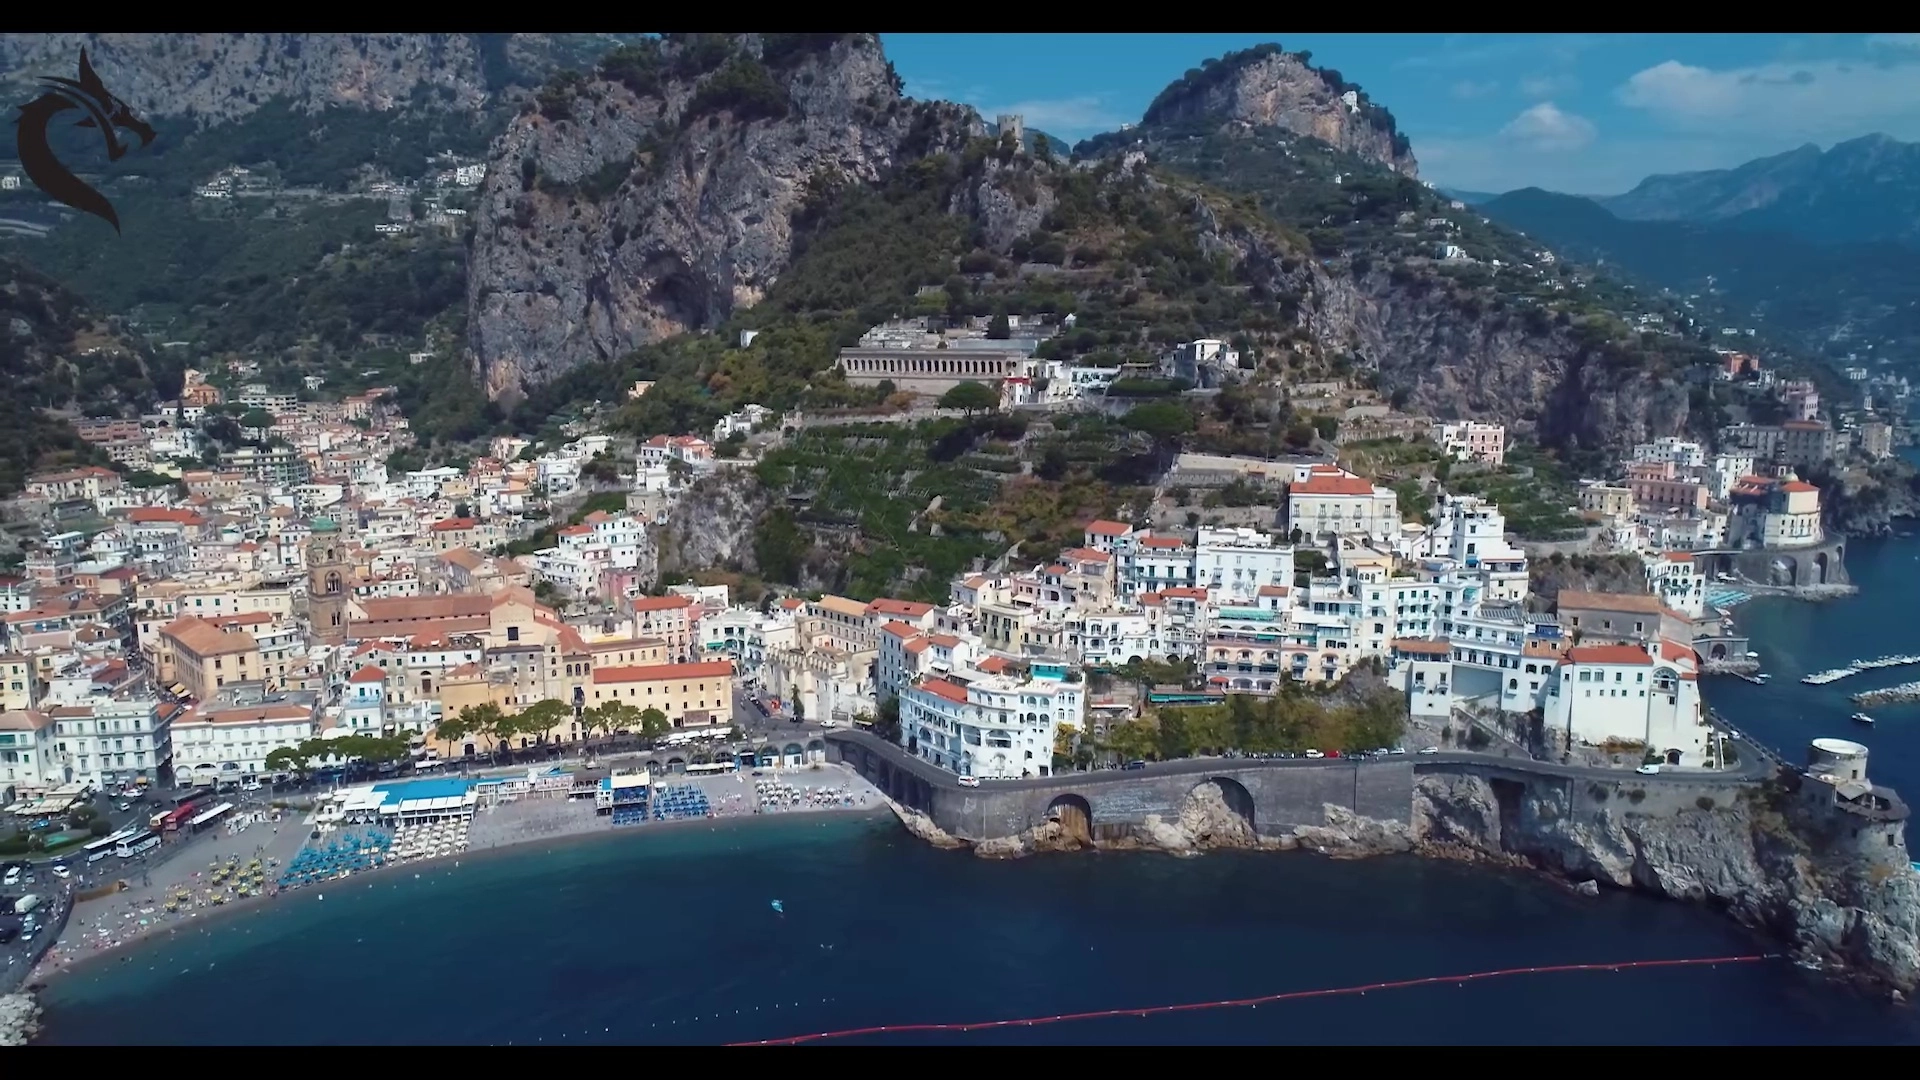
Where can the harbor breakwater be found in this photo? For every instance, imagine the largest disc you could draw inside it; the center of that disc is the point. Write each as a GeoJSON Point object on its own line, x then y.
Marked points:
{"type": "Point", "coordinates": [1766, 845]}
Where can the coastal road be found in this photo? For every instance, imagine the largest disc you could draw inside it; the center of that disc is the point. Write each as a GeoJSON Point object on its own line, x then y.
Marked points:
{"type": "Point", "coordinates": [1750, 767]}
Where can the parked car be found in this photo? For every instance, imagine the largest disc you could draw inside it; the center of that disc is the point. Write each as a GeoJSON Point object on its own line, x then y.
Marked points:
{"type": "Point", "coordinates": [1134, 765]}
{"type": "Point", "coordinates": [1430, 750]}
{"type": "Point", "coordinates": [60, 871]}
{"type": "Point", "coordinates": [1648, 770]}
{"type": "Point", "coordinates": [969, 781]}
{"type": "Point", "coordinates": [1314, 755]}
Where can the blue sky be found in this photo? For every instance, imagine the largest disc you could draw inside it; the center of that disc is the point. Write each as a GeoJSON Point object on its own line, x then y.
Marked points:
{"type": "Point", "coordinates": [1585, 113]}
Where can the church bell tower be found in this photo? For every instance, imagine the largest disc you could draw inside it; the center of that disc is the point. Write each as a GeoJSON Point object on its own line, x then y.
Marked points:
{"type": "Point", "coordinates": [327, 583]}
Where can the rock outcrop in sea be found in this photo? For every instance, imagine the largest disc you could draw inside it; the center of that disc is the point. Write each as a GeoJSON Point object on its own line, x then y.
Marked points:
{"type": "Point", "coordinates": [19, 1019]}
{"type": "Point", "coordinates": [1844, 900]}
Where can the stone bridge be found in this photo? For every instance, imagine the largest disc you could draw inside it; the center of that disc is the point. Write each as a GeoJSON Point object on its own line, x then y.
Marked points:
{"type": "Point", "coordinates": [1275, 797]}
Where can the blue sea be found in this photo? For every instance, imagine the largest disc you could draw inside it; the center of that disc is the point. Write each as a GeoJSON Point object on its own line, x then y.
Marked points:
{"type": "Point", "coordinates": [668, 935]}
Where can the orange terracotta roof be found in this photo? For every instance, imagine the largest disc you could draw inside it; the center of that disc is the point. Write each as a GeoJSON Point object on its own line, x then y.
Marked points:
{"type": "Point", "coordinates": [1332, 485]}
{"type": "Point", "coordinates": [952, 691]}
{"type": "Point", "coordinates": [1108, 528]}
{"type": "Point", "coordinates": [368, 674]}
{"type": "Point", "coordinates": [1608, 654]}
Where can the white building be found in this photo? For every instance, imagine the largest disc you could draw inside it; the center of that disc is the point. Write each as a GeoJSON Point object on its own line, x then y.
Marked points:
{"type": "Point", "coordinates": [1234, 564]}
{"type": "Point", "coordinates": [231, 742]}
{"type": "Point", "coordinates": [112, 740]}
{"type": "Point", "coordinates": [1329, 504]}
{"type": "Point", "coordinates": [1682, 453]}
{"type": "Point", "coordinates": [1625, 695]}
{"type": "Point", "coordinates": [1472, 533]}
{"type": "Point", "coordinates": [1672, 577]}
{"type": "Point", "coordinates": [26, 752]}
{"type": "Point", "coordinates": [992, 726]}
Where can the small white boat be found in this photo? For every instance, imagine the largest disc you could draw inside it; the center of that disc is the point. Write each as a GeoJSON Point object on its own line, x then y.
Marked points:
{"type": "Point", "coordinates": [1862, 718]}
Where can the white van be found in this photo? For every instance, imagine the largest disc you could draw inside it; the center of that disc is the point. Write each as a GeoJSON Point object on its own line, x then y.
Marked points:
{"type": "Point", "coordinates": [13, 875]}
{"type": "Point", "coordinates": [26, 903]}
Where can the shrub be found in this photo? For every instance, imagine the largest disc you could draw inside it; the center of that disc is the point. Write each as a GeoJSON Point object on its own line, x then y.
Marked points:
{"type": "Point", "coordinates": [743, 87]}
{"type": "Point", "coordinates": [1637, 796]}
{"type": "Point", "coordinates": [1704, 802]}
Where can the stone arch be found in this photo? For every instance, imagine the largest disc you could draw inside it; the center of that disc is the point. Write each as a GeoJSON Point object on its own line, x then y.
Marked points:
{"type": "Point", "coordinates": [1074, 814]}
{"type": "Point", "coordinates": [816, 750]}
{"type": "Point", "coordinates": [655, 765]}
{"type": "Point", "coordinates": [767, 755]}
{"type": "Point", "coordinates": [724, 757]}
{"type": "Point", "coordinates": [1233, 795]}
{"type": "Point", "coordinates": [333, 583]}
{"type": "Point", "coordinates": [794, 754]}
{"type": "Point", "coordinates": [1820, 569]}
{"type": "Point", "coordinates": [701, 757]}
{"type": "Point", "coordinates": [1718, 652]}
{"type": "Point", "coordinates": [1784, 570]}
{"type": "Point", "coordinates": [1673, 757]}
{"type": "Point", "coordinates": [676, 764]}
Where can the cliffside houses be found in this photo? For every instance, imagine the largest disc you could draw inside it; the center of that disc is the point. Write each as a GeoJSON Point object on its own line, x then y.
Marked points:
{"type": "Point", "coordinates": [1675, 496]}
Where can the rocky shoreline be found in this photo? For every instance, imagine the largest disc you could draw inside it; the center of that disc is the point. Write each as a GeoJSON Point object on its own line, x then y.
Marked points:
{"type": "Point", "coordinates": [1751, 857]}
{"type": "Point", "coordinates": [19, 1019]}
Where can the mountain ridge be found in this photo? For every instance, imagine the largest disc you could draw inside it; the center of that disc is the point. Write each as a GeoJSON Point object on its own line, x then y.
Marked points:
{"type": "Point", "coordinates": [1858, 190]}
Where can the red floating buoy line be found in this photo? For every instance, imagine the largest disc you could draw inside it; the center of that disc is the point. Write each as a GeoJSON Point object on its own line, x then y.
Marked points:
{"type": "Point", "coordinates": [1246, 1003]}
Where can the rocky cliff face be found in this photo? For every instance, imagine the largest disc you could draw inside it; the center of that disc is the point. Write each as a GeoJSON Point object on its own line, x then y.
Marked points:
{"type": "Point", "coordinates": [1761, 856]}
{"type": "Point", "coordinates": [710, 526]}
{"type": "Point", "coordinates": [1457, 360]}
{"type": "Point", "coordinates": [641, 216]}
{"type": "Point", "coordinates": [1278, 89]}
{"type": "Point", "coordinates": [218, 77]}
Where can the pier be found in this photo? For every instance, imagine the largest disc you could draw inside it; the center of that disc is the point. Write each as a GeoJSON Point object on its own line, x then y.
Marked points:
{"type": "Point", "coordinates": [1889, 695]}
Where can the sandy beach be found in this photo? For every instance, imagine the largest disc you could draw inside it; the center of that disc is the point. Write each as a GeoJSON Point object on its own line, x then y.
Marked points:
{"type": "Point", "coordinates": [99, 927]}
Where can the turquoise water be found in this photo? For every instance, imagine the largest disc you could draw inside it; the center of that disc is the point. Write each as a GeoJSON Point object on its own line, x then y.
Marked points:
{"type": "Point", "coordinates": [667, 935]}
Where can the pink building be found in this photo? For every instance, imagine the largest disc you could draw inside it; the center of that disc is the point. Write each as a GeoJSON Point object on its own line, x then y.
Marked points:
{"type": "Point", "coordinates": [1473, 441]}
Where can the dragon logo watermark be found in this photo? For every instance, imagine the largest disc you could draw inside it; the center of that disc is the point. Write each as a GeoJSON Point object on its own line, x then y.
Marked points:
{"type": "Point", "coordinates": [103, 111]}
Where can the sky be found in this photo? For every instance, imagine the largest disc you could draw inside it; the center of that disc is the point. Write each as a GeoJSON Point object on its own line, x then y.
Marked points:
{"type": "Point", "coordinates": [1589, 114]}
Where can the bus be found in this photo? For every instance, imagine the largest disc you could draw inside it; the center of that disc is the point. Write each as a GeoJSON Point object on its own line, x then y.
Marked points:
{"type": "Point", "coordinates": [99, 849]}
{"type": "Point", "coordinates": [138, 844]}
{"type": "Point", "coordinates": [190, 797]}
{"type": "Point", "coordinates": [178, 817]}
{"type": "Point", "coordinates": [711, 768]}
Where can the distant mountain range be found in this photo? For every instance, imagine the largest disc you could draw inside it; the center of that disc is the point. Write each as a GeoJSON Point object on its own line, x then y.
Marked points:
{"type": "Point", "coordinates": [1866, 189]}
{"type": "Point", "coordinates": [1822, 294]}
{"type": "Point", "coordinates": [1820, 246]}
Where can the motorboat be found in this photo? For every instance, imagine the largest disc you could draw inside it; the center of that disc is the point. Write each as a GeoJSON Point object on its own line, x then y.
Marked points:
{"type": "Point", "coordinates": [1862, 718]}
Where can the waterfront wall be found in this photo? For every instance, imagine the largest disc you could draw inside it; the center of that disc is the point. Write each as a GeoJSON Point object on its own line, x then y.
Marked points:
{"type": "Point", "coordinates": [1820, 564]}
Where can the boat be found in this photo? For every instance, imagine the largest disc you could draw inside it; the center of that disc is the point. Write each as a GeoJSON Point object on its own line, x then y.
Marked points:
{"type": "Point", "coordinates": [1822, 678]}
{"type": "Point", "coordinates": [1862, 718]}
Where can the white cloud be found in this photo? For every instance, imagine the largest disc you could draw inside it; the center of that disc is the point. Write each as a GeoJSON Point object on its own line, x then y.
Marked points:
{"type": "Point", "coordinates": [1546, 86]}
{"type": "Point", "coordinates": [1467, 89]}
{"type": "Point", "coordinates": [1068, 118]}
{"type": "Point", "coordinates": [1546, 128]}
{"type": "Point", "coordinates": [1821, 100]}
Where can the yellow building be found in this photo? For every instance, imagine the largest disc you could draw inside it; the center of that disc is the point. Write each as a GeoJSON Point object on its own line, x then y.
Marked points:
{"type": "Point", "coordinates": [691, 695]}
{"type": "Point", "coordinates": [17, 683]}
{"type": "Point", "coordinates": [205, 658]}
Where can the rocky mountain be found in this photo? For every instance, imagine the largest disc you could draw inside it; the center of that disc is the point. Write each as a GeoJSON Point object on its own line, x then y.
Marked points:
{"type": "Point", "coordinates": [1267, 87]}
{"type": "Point", "coordinates": [1861, 191]}
{"type": "Point", "coordinates": [1814, 294]}
{"type": "Point", "coordinates": [636, 205]}
{"type": "Point", "coordinates": [658, 196]}
{"type": "Point", "coordinates": [55, 355]}
{"type": "Point", "coordinates": [214, 78]}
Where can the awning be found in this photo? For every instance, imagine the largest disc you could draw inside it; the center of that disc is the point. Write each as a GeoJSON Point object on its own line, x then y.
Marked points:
{"type": "Point", "coordinates": [177, 689]}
